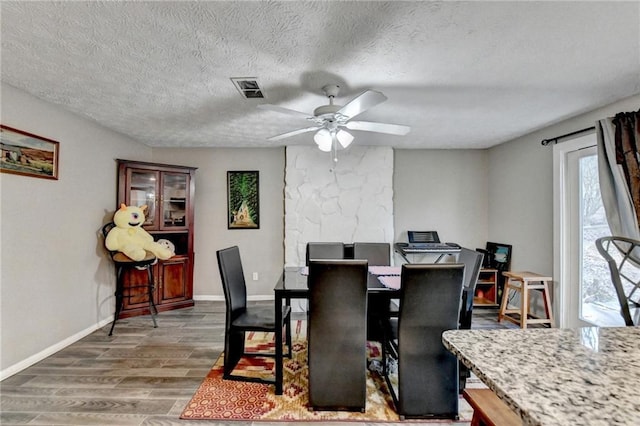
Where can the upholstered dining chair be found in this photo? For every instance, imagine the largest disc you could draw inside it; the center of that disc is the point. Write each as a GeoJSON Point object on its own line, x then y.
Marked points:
{"type": "Point", "coordinates": [427, 385]}
{"type": "Point", "coordinates": [337, 335]}
{"type": "Point", "coordinates": [377, 254]}
{"type": "Point", "coordinates": [242, 318]}
{"type": "Point", "coordinates": [623, 258]}
{"type": "Point", "coordinates": [323, 250]}
{"type": "Point", "coordinates": [472, 261]}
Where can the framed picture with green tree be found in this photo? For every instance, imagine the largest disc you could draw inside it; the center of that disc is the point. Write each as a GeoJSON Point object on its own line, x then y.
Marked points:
{"type": "Point", "coordinates": [243, 200]}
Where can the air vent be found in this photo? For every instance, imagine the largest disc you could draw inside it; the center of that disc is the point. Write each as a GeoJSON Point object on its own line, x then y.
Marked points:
{"type": "Point", "coordinates": [248, 87]}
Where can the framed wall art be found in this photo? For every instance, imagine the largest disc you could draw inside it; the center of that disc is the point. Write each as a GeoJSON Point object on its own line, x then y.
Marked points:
{"type": "Point", "coordinates": [243, 200]}
{"type": "Point", "coordinates": [28, 154]}
{"type": "Point", "coordinates": [499, 255]}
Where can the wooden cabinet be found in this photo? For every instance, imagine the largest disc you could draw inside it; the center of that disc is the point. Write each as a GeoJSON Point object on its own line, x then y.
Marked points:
{"type": "Point", "coordinates": [487, 289]}
{"type": "Point", "coordinates": [168, 192]}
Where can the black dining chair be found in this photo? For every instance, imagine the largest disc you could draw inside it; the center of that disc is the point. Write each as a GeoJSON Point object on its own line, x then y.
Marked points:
{"type": "Point", "coordinates": [472, 261]}
{"type": "Point", "coordinates": [623, 258]}
{"type": "Point", "coordinates": [428, 380]}
{"type": "Point", "coordinates": [337, 335]}
{"type": "Point", "coordinates": [241, 318]}
{"type": "Point", "coordinates": [377, 254]}
{"type": "Point", "coordinates": [324, 250]}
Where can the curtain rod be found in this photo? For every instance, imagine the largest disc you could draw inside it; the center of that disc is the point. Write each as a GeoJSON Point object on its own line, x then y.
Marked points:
{"type": "Point", "coordinates": [546, 142]}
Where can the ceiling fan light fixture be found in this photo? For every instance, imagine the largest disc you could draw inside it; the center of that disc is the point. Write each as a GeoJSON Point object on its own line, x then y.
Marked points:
{"type": "Point", "coordinates": [323, 139]}
{"type": "Point", "coordinates": [345, 138]}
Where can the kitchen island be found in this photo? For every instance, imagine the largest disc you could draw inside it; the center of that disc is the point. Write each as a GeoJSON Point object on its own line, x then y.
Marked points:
{"type": "Point", "coordinates": [551, 376]}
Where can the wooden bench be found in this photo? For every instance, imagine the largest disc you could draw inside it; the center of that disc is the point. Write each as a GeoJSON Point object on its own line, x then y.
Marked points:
{"type": "Point", "coordinates": [489, 410]}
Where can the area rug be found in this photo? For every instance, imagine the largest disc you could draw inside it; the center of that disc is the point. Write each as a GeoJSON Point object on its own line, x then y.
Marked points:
{"type": "Point", "coordinates": [224, 400]}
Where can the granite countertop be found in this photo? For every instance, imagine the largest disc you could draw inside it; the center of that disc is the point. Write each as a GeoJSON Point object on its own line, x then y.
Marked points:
{"type": "Point", "coordinates": [583, 376]}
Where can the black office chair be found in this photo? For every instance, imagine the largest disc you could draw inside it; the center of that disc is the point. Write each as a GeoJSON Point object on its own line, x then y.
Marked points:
{"type": "Point", "coordinates": [377, 254]}
{"type": "Point", "coordinates": [337, 336]}
{"type": "Point", "coordinates": [623, 258]}
{"type": "Point", "coordinates": [130, 282]}
{"type": "Point", "coordinates": [472, 261]}
{"type": "Point", "coordinates": [428, 377]}
{"type": "Point", "coordinates": [241, 318]}
{"type": "Point", "coordinates": [321, 250]}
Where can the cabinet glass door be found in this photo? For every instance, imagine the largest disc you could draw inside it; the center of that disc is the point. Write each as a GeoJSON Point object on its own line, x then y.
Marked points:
{"type": "Point", "coordinates": [174, 200]}
{"type": "Point", "coordinates": [142, 191]}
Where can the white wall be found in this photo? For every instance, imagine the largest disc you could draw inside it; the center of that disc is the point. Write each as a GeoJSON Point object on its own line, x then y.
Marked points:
{"type": "Point", "coordinates": [521, 192]}
{"type": "Point", "coordinates": [444, 191]}
{"type": "Point", "coordinates": [350, 200]}
{"type": "Point", "coordinates": [57, 285]}
{"type": "Point", "coordinates": [56, 282]}
{"type": "Point", "coordinates": [456, 204]}
{"type": "Point", "coordinates": [261, 249]}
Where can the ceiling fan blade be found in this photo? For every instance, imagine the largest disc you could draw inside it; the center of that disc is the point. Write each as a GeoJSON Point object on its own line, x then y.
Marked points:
{"type": "Point", "coordinates": [392, 129]}
{"type": "Point", "coordinates": [276, 108]}
{"type": "Point", "coordinates": [362, 102]}
{"type": "Point", "coordinates": [293, 133]}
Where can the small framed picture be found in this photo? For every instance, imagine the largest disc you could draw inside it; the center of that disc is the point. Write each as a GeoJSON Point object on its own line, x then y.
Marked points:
{"type": "Point", "coordinates": [28, 154]}
{"type": "Point", "coordinates": [499, 255]}
{"type": "Point", "coordinates": [243, 200]}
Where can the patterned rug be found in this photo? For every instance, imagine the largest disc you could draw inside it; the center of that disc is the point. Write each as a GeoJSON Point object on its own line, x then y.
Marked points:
{"type": "Point", "coordinates": [218, 399]}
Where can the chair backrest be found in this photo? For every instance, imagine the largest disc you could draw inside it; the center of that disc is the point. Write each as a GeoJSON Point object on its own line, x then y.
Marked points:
{"type": "Point", "coordinates": [337, 333]}
{"type": "Point", "coordinates": [472, 261]}
{"type": "Point", "coordinates": [233, 283]}
{"type": "Point", "coordinates": [377, 254]}
{"type": "Point", "coordinates": [322, 250]}
{"type": "Point", "coordinates": [429, 305]}
{"type": "Point", "coordinates": [623, 258]}
{"type": "Point", "coordinates": [105, 231]}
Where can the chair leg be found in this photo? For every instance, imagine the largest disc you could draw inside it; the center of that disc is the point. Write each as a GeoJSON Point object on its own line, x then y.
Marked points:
{"type": "Point", "coordinates": [119, 298]}
{"type": "Point", "coordinates": [233, 350]}
{"type": "Point", "coordinates": [504, 302]}
{"type": "Point", "coordinates": [152, 306]}
{"type": "Point", "coordinates": [547, 304]}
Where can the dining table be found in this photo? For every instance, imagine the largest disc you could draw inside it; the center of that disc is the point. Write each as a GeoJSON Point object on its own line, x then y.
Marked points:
{"type": "Point", "coordinates": [292, 284]}
{"type": "Point", "coordinates": [557, 376]}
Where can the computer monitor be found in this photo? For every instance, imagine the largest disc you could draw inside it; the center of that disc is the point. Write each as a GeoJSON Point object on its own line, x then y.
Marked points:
{"type": "Point", "coordinates": [423, 237]}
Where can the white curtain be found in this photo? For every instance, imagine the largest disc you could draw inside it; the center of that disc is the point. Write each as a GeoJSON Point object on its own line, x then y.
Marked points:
{"type": "Point", "coordinates": [616, 196]}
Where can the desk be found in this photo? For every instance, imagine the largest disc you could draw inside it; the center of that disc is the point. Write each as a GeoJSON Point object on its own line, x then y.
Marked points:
{"type": "Point", "coordinates": [403, 251]}
{"type": "Point", "coordinates": [583, 376]}
{"type": "Point", "coordinates": [293, 285]}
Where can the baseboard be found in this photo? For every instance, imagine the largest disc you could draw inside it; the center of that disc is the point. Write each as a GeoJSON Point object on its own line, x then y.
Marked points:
{"type": "Point", "coordinates": [203, 298]}
{"type": "Point", "coordinates": [297, 305]}
{"type": "Point", "coordinates": [208, 298]}
{"type": "Point", "coordinates": [18, 367]}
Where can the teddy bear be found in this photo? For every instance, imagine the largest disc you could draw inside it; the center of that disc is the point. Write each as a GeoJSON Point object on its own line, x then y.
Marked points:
{"type": "Point", "coordinates": [130, 238]}
{"type": "Point", "coordinates": [168, 244]}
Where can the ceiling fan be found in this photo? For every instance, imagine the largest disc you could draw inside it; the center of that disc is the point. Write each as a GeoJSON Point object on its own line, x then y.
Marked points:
{"type": "Point", "coordinates": [331, 120]}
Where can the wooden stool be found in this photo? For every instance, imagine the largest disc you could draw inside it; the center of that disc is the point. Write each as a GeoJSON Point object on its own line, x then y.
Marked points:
{"type": "Point", "coordinates": [489, 410]}
{"type": "Point", "coordinates": [523, 282]}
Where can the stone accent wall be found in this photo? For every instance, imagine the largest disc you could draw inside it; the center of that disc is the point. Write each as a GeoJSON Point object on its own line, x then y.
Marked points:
{"type": "Point", "coordinates": [348, 201]}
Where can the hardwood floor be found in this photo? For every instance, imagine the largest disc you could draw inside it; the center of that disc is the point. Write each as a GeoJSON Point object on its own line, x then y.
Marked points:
{"type": "Point", "coordinates": [139, 376]}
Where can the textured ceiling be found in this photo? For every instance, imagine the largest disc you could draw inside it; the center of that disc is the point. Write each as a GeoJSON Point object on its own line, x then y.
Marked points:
{"type": "Point", "coordinates": [461, 74]}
